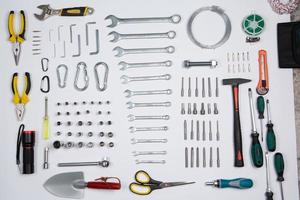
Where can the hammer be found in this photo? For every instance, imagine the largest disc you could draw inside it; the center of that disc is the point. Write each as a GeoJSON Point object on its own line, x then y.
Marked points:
{"type": "Point", "coordinates": [237, 133]}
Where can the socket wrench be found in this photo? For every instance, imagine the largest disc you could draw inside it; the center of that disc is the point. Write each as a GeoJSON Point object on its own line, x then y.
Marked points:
{"type": "Point", "coordinates": [125, 65]}
{"type": "Point", "coordinates": [130, 93]}
{"type": "Point", "coordinates": [126, 79]}
{"type": "Point", "coordinates": [121, 51]}
{"type": "Point", "coordinates": [131, 105]}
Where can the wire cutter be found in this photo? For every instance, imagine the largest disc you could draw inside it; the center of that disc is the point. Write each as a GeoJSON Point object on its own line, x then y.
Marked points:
{"type": "Point", "coordinates": [16, 39]}
{"type": "Point", "coordinates": [145, 184]}
{"type": "Point", "coordinates": [20, 101]}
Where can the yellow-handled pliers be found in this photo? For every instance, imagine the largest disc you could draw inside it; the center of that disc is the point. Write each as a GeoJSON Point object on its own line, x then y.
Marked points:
{"type": "Point", "coordinates": [20, 101]}
{"type": "Point", "coordinates": [16, 39]}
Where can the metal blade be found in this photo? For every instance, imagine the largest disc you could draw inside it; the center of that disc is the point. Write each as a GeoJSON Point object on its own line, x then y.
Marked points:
{"type": "Point", "coordinates": [62, 185]}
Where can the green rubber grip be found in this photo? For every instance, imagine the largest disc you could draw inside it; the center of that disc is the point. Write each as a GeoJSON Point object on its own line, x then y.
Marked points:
{"type": "Point", "coordinates": [260, 104]}
{"type": "Point", "coordinates": [279, 166]}
{"type": "Point", "coordinates": [271, 139]}
{"type": "Point", "coordinates": [256, 151]}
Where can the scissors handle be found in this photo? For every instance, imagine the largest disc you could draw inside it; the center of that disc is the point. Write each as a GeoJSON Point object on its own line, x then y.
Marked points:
{"type": "Point", "coordinates": [13, 37]}
{"type": "Point", "coordinates": [142, 189]}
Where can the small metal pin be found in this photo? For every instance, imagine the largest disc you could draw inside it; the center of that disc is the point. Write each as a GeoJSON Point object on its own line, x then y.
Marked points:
{"type": "Point", "coordinates": [209, 87]}
{"type": "Point", "coordinates": [197, 157]}
{"type": "Point", "coordinates": [182, 87]}
{"type": "Point", "coordinates": [217, 87]}
{"type": "Point", "coordinates": [189, 109]}
{"type": "Point", "coordinates": [186, 159]}
{"type": "Point", "coordinates": [198, 130]}
{"type": "Point", "coordinates": [218, 157]}
{"type": "Point", "coordinates": [189, 89]}
{"type": "Point", "coordinates": [204, 157]}
{"type": "Point", "coordinates": [182, 109]}
{"type": "Point", "coordinates": [192, 130]}
{"type": "Point", "coordinates": [208, 108]}
{"type": "Point", "coordinates": [203, 131]}
{"type": "Point", "coordinates": [185, 130]}
{"type": "Point", "coordinates": [216, 111]}
{"type": "Point", "coordinates": [203, 88]}
{"type": "Point", "coordinates": [218, 133]}
{"type": "Point", "coordinates": [196, 89]}
{"type": "Point", "coordinates": [210, 157]}
{"type": "Point", "coordinates": [195, 109]}
{"type": "Point", "coordinates": [210, 131]}
{"type": "Point", "coordinates": [192, 157]}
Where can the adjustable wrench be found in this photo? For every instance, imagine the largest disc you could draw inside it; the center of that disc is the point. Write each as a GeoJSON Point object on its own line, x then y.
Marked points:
{"type": "Point", "coordinates": [121, 52]}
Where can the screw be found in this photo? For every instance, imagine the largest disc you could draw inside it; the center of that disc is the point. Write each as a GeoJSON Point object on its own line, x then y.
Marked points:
{"type": "Point", "coordinates": [204, 157]}
{"type": "Point", "coordinates": [75, 103]}
{"type": "Point", "coordinates": [109, 123]}
{"type": "Point", "coordinates": [196, 89]}
{"type": "Point", "coordinates": [108, 112]}
{"type": "Point", "coordinates": [107, 102]}
{"type": "Point", "coordinates": [210, 131]}
{"type": "Point", "coordinates": [87, 111]}
{"type": "Point", "coordinates": [58, 133]}
{"type": "Point", "coordinates": [218, 133]}
{"type": "Point", "coordinates": [80, 123]}
{"type": "Point", "coordinates": [217, 87]}
{"type": "Point", "coordinates": [83, 102]}
{"type": "Point", "coordinates": [210, 157]}
{"type": "Point", "coordinates": [58, 113]}
{"type": "Point", "coordinates": [58, 104]}
{"type": "Point", "coordinates": [69, 123]}
{"type": "Point", "coordinates": [80, 144]}
{"type": "Point", "coordinates": [198, 130]}
{"type": "Point", "coordinates": [66, 103]}
{"type": "Point", "coordinates": [208, 108]}
{"type": "Point", "coordinates": [192, 130]}
{"type": "Point", "coordinates": [202, 111]}
{"type": "Point", "coordinates": [68, 113]}
{"type": "Point", "coordinates": [101, 123]}
{"type": "Point", "coordinates": [89, 123]}
{"type": "Point", "coordinates": [69, 134]}
{"type": "Point", "coordinates": [203, 131]}
{"type": "Point", "coordinates": [212, 64]}
{"type": "Point", "coordinates": [77, 113]}
{"type": "Point", "coordinates": [58, 123]}
{"type": "Point", "coordinates": [195, 109]}
{"type": "Point", "coordinates": [99, 102]}
{"type": "Point", "coordinates": [185, 130]}
{"type": "Point", "coordinates": [90, 134]}
{"type": "Point", "coordinates": [99, 112]}
{"type": "Point", "coordinates": [92, 103]}
{"type": "Point", "coordinates": [79, 134]}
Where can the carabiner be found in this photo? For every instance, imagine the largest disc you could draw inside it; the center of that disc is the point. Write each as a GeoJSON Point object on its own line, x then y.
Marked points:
{"type": "Point", "coordinates": [106, 69]}
{"type": "Point", "coordinates": [45, 87]}
{"type": "Point", "coordinates": [62, 82]}
{"type": "Point", "coordinates": [85, 78]}
{"type": "Point", "coordinates": [45, 64]}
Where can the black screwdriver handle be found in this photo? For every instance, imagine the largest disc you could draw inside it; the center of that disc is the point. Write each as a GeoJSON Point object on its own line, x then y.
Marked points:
{"type": "Point", "coordinates": [237, 133]}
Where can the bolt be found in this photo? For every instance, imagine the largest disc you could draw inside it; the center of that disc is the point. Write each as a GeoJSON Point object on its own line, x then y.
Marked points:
{"type": "Point", "coordinates": [69, 134]}
{"type": "Point", "coordinates": [109, 122]}
{"type": "Point", "coordinates": [89, 123]}
{"type": "Point", "coordinates": [212, 64]}
{"type": "Point", "coordinates": [202, 111]}
{"type": "Point", "coordinates": [195, 109]}
{"type": "Point", "coordinates": [58, 123]}
{"type": "Point", "coordinates": [216, 111]}
{"type": "Point", "coordinates": [189, 108]}
{"type": "Point", "coordinates": [182, 109]}
{"type": "Point", "coordinates": [99, 112]}
{"type": "Point", "coordinates": [79, 134]}
{"type": "Point", "coordinates": [56, 144]}
{"type": "Point", "coordinates": [110, 134]}
{"type": "Point", "coordinates": [101, 123]}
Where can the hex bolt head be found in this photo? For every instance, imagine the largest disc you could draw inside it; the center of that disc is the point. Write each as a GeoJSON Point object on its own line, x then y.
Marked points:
{"type": "Point", "coordinates": [101, 144]}
{"type": "Point", "coordinates": [101, 134]}
{"type": "Point", "coordinates": [110, 134]}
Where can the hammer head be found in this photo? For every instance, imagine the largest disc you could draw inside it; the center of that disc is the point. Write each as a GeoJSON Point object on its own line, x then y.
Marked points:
{"type": "Point", "coordinates": [235, 81]}
{"type": "Point", "coordinates": [46, 11]}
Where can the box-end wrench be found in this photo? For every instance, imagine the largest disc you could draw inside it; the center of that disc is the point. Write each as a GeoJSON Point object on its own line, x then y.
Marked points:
{"type": "Point", "coordinates": [119, 36]}
{"type": "Point", "coordinates": [126, 79]}
{"type": "Point", "coordinates": [121, 51]}
{"type": "Point", "coordinates": [131, 105]}
{"type": "Point", "coordinates": [175, 19]}
{"type": "Point", "coordinates": [142, 129]}
{"type": "Point", "coordinates": [125, 65]}
{"type": "Point", "coordinates": [149, 117]}
{"type": "Point", "coordinates": [130, 93]}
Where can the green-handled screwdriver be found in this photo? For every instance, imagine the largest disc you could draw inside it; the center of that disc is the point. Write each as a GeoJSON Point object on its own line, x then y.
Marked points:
{"type": "Point", "coordinates": [268, 193]}
{"type": "Point", "coordinates": [238, 183]}
{"type": "Point", "coordinates": [256, 150]}
{"type": "Point", "coordinates": [271, 139]}
{"type": "Point", "coordinates": [260, 105]}
{"type": "Point", "coordinates": [279, 168]}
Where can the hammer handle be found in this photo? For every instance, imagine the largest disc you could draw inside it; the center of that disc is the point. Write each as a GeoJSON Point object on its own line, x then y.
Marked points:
{"type": "Point", "coordinates": [237, 133]}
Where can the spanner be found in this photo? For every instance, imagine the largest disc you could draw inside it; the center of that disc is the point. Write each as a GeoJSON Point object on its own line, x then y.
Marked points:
{"type": "Point", "coordinates": [131, 105]}
{"type": "Point", "coordinates": [126, 79]}
{"type": "Point", "coordinates": [130, 93]}
{"type": "Point", "coordinates": [125, 65]}
{"type": "Point", "coordinates": [143, 153]}
{"type": "Point", "coordinates": [121, 52]}
{"type": "Point", "coordinates": [119, 36]}
{"type": "Point", "coordinates": [150, 161]}
{"type": "Point", "coordinates": [175, 19]}
{"type": "Point", "coordinates": [139, 129]}
{"type": "Point", "coordinates": [136, 141]}
{"type": "Point", "coordinates": [149, 117]}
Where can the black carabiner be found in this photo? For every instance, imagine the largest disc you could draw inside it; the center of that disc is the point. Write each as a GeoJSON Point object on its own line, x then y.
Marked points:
{"type": "Point", "coordinates": [45, 78]}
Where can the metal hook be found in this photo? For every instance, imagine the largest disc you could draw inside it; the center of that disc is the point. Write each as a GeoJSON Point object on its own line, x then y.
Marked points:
{"type": "Point", "coordinates": [86, 77]}
{"type": "Point", "coordinates": [62, 82]}
{"type": "Point", "coordinates": [47, 84]}
{"type": "Point", "coordinates": [45, 64]}
{"type": "Point", "coordinates": [106, 69]}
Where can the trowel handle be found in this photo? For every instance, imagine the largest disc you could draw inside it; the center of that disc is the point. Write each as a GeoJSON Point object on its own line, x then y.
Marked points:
{"type": "Point", "coordinates": [103, 185]}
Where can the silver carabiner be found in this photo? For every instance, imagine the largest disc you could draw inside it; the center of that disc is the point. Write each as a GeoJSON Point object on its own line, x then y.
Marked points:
{"type": "Point", "coordinates": [45, 64]}
{"type": "Point", "coordinates": [62, 82]}
{"type": "Point", "coordinates": [85, 78]}
{"type": "Point", "coordinates": [106, 69]}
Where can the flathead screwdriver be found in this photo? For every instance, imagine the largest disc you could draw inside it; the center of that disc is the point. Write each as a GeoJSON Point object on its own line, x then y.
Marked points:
{"type": "Point", "coordinates": [256, 150]}
{"type": "Point", "coordinates": [260, 104]}
{"type": "Point", "coordinates": [271, 139]}
{"type": "Point", "coordinates": [279, 168]}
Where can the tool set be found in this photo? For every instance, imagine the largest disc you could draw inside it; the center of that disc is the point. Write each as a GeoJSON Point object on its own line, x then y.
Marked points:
{"type": "Point", "coordinates": [82, 123]}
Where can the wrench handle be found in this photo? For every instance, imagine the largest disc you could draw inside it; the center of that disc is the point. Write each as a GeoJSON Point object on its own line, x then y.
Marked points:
{"type": "Point", "coordinates": [75, 11]}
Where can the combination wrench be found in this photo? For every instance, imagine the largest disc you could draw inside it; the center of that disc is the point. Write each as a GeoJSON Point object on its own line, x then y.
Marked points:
{"type": "Point", "coordinates": [125, 65]}
{"type": "Point", "coordinates": [175, 19]}
{"type": "Point", "coordinates": [131, 105]}
{"type": "Point", "coordinates": [149, 117]}
{"type": "Point", "coordinates": [142, 129]}
{"type": "Point", "coordinates": [126, 79]}
{"type": "Point", "coordinates": [121, 51]}
{"type": "Point", "coordinates": [119, 36]}
{"type": "Point", "coordinates": [130, 93]}
{"type": "Point", "coordinates": [137, 141]}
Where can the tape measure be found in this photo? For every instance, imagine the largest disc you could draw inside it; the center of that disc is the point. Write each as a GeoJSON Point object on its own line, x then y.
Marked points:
{"type": "Point", "coordinates": [253, 25]}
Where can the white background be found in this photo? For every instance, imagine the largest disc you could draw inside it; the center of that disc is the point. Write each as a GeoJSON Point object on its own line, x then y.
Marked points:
{"type": "Point", "coordinates": [16, 186]}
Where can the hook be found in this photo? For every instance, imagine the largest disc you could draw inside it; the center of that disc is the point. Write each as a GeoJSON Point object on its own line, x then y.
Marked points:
{"type": "Point", "coordinates": [45, 64]}
{"type": "Point", "coordinates": [62, 82]}
{"type": "Point", "coordinates": [47, 84]}
{"type": "Point", "coordinates": [104, 86]}
{"type": "Point", "coordinates": [86, 77]}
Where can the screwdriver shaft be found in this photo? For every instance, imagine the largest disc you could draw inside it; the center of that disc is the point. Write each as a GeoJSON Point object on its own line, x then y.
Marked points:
{"type": "Point", "coordinates": [281, 191]}
{"type": "Point", "coordinates": [262, 130]}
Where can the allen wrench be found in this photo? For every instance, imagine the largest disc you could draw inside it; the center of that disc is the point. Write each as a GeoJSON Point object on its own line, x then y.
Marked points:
{"type": "Point", "coordinates": [97, 44]}
{"type": "Point", "coordinates": [87, 32]}
{"type": "Point", "coordinates": [71, 32]}
{"type": "Point", "coordinates": [79, 47]}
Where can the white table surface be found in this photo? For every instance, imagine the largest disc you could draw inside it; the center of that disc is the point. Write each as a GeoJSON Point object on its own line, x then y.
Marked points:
{"type": "Point", "coordinates": [16, 186]}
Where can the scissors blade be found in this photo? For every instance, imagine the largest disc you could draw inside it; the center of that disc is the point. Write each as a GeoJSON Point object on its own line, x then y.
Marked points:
{"type": "Point", "coordinates": [172, 184]}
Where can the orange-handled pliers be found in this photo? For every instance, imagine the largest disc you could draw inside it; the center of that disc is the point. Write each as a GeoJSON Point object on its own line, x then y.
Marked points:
{"type": "Point", "coordinates": [16, 39]}
{"type": "Point", "coordinates": [20, 101]}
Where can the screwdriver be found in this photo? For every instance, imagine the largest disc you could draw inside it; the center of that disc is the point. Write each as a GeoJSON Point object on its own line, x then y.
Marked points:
{"type": "Point", "coordinates": [271, 139]}
{"type": "Point", "coordinates": [260, 104]}
{"type": "Point", "coordinates": [279, 168]}
{"type": "Point", "coordinates": [238, 183]}
{"type": "Point", "coordinates": [256, 150]}
{"type": "Point", "coordinates": [268, 193]}
{"type": "Point", "coordinates": [46, 121]}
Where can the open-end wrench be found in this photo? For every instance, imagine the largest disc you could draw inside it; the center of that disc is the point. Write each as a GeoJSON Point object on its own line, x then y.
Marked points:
{"type": "Point", "coordinates": [47, 11]}
{"type": "Point", "coordinates": [136, 141]}
{"type": "Point", "coordinates": [121, 52]}
{"type": "Point", "coordinates": [126, 79]}
{"type": "Point", "coordinates": [143, 153]}
{"type": "Point", "coordinates": [125, 65]}
{"type": "Point", "coordinates": [130, 93]}
{"type": "Point", "coordinates": [149, 117]}
{"type": "Point", "coordinates": [131, 105]}
{"type": "Point", "coordinates": [139, 129]}
{"type": "Point", "coordinates": [175, 19]}
{"type": "Point", "coordinates": [150, 161]}
{"type": "Point", "coordinates": [119, 36]}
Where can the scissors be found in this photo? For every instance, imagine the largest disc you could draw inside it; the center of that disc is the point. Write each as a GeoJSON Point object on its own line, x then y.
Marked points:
{"type": "Point", "coordinates": [144, 184]}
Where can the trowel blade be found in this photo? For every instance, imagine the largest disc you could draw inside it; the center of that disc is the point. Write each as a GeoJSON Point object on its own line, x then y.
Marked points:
{"type": "Point", "coordinates": [62, 185]}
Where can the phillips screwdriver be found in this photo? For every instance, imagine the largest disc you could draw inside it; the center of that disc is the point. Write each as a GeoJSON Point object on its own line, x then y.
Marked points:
{"type": "Point", "coordinates": [271, 139]}
{"type": "Point", "coordinates": [256, 150]}
{"type": "Point", "coordinates": [238, 183]}
{"type": "Point", "coordinates": [46, 121]}
{"type": "Point", "coordinates": [279, 168]}
{"type": "Point", "coordinates": [268, 193]}
{"type": "Point", "coordinates": [260, 104]}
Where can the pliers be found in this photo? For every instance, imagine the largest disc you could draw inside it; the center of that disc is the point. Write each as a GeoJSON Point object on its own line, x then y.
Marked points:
{"type": "Point", "coordinates": [16, 39]}
{"type": "Point", "coordinates": [20, 101]}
